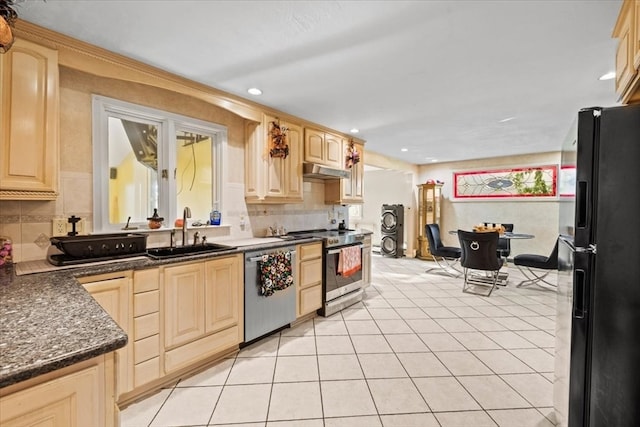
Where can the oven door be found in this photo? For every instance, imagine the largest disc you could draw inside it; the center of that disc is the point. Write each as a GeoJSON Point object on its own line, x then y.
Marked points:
{"type": "Point", "coordinates": [340, 283]}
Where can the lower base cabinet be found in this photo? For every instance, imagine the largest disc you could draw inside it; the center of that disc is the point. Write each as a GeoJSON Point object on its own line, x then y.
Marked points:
{"type": "Point", "coordinates": [309, 281]}
{"type": "Point", "coordinates": [202, 310]}
{"type": "Point", "coordinates": [366, 261]}
{"type": "Point", "coordinates": [80, 395]}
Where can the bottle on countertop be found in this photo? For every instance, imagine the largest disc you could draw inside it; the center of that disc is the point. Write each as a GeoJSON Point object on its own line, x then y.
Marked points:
{"type": "Point", "coordinates": [215, 217]}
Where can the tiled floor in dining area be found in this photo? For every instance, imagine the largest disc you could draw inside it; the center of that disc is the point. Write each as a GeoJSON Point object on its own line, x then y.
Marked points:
{"type": "Point", "coordinates": [416, 352]}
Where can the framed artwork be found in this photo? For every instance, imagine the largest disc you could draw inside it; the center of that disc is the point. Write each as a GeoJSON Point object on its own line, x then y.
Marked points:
{"type": "Point", "coordinates": [525, 182]}
{"type": "Point", "coordinates": [567, 181]}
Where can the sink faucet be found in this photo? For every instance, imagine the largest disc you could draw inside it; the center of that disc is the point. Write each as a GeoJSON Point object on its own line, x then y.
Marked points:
{"type": "Point", "coordinates": [196, 238]}
{"type": "Point", "coordinates": [185, 214]}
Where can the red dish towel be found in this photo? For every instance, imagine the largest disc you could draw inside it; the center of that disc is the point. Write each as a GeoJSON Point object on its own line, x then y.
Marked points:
{"type": "Point", "coordinates": [349, 261]}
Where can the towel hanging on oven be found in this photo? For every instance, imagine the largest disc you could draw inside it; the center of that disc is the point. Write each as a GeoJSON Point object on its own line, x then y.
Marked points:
{"type": "Point", "coordinates": [349, 261]}
{"type": "Point", "coordinates": [275, 272]}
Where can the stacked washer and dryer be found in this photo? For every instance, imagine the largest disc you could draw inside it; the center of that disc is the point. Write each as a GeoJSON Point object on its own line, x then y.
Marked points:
{"type": "Point", "coordinates": [392, 229]}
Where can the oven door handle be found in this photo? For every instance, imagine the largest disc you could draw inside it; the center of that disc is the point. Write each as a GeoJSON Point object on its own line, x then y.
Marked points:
{"type": "Point", "coordinates": [337, 251]}
{"type": "Point", "coordinates": [259, 258]}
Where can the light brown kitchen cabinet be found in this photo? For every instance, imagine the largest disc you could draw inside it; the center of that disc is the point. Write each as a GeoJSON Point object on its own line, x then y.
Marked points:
{"type": "Point", "coordinates": [627, 31]}
{"type": "Point", "coordinates": [348, 190]}
{"type": "Point", "coordinates": [203, 310]}
{"type": "Point", "coordinates": [323, 148]}
{"type": "Point", "coordinates": [29, 122]}
{"type": "Point", "coordinates": [113, 292]}
{"type": "Point", "coordinates": [366, 260]}
{"type": "Point", "coordinates": [272, 179]}
{"type": "Point", "coordinates": [183, 303]}
{"type": "Point", "coordinates": [79, 395]}
{"type": "Point", "coordinates": [147, 343]}
{"type": "Point", "coordinates": [309, 283]}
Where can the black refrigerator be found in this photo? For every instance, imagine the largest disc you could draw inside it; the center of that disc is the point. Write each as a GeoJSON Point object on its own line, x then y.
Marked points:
{"type": "Point", "coordinates": [597, 365]}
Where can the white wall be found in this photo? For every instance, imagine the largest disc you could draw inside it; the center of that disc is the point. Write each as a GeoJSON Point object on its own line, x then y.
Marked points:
{"type": "Point", "coordinates": [388, 187]}
{"type": "Point", "coordinates": [537, 217]}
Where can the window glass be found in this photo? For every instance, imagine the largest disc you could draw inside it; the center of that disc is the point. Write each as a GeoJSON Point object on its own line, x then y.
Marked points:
{"type": "Point", "coordinates": [146, 159]}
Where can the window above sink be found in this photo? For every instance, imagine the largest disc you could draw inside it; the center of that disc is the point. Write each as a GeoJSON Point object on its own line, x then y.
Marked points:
{"type": "Point", "coordinates": [146, 158]}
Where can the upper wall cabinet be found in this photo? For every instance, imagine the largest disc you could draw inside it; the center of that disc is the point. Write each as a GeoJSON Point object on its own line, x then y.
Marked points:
{"type": "Point", "coordinates": [627, 31]}
{"type": "Point", "coordinates": [323, 148]}
{"type": "Point", "coordinates": [29, 122]}
{"type": "Point", "coordinates": [269, 178]}
{"type": "Point", "coordinates": [349, 190]}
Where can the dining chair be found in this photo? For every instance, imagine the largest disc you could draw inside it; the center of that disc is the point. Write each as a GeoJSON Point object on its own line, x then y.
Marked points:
{"type": "Point", "coordinates": [504, 245]}
{"type": "Point", "coordinates": [480, 261]}
{"type": "Point", "coordinates": [537, 267]}
{"type": "Point", "coordinates": [445, 257]}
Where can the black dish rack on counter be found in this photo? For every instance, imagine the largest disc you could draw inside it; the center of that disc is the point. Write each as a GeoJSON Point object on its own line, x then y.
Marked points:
{"type": "Point", "coordinates": [96, 247]}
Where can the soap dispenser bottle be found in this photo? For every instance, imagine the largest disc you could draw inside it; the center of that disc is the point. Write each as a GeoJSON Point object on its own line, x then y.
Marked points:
{"type": "Point", "coordinates": [215, 217]}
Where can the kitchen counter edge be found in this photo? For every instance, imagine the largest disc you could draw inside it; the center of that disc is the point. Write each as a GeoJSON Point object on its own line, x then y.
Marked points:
{"type": "Point", "coordinates": [49, 321]}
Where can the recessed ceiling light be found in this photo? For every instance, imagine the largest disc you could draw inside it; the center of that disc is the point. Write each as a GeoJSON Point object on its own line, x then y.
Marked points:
{"type": "Point", "coordinates": [508, 119]}
{"type": "Point", "coordinates": [608, 76]}
{"type": "Point", "coordinates": [431, 159]}
{"type": "Point", "coordinates": [254, 91]}
{"type": "Point", "coordinates": [434, 160]}
{"type": "Point", "coordinates": [404, 149]}
{"type": "Point", "coordinates": [354, 130]}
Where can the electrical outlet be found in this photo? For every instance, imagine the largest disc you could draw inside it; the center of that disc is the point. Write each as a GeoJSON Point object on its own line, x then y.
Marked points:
{"type": "Point", "coordinates": [59, 227]}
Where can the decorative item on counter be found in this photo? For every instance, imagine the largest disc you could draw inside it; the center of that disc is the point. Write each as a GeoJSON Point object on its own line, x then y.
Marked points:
{"type": "Point", "coordinates": [8, 17]}
{"type": "Point", "coordinates": [434, 181]}
{"type": "Point", "coordinates": [215, 217]}
{"type": "Point", "coordinates": [278, 146]}
{"type": "Point", "coordinates": [155, 221]}
{"type": "Point", "coordinates": [351, 156]}
{"type": "Point", "coordinates": [178, 223]}
{"type": "Point", "coordinates": [5, 250]}
{"type": "Point", "coordinates": [129, 227]}
{"type": "Point", "coordinates": [481, 228]}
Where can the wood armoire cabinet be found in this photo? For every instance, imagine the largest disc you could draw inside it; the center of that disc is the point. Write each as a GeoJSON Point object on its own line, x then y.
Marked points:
{"type": "Point", "coordinates": [429, 207]}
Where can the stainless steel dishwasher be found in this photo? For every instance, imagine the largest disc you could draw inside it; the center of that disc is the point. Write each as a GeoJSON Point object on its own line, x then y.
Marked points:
{"type": "Point", "coordinates": [263, 315]}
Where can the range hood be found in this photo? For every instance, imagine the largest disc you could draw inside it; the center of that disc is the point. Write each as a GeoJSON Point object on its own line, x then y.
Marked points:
{"type": "Point", "coordinates": [314, 170]}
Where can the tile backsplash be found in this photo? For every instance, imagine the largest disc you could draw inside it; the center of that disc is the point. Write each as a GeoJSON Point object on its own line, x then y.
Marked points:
{"type": "Point", "coordinates": [28, 222]}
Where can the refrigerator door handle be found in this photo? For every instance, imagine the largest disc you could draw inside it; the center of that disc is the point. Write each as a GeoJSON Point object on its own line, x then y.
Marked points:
{"type": "Point", "coordinates": [579, 294]}
{"type": "Point", "coordinates": [582, 201]}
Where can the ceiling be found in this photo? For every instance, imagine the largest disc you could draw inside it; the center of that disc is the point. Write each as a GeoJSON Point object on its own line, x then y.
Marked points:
{"type": "Point", "coordinates": [437, 78]}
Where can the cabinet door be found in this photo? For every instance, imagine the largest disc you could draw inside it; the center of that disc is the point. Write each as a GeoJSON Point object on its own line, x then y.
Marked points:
{"type": "Point", "coordinates": [222, 293]}
{"type": "Point", "coordinates": [624, 53]}
{"type": "Point", "coordinates": [314, 146]}
{"type": "Point", "coordinates": [293, 164]}
{"type": "Point", "coordinates": [72, 400]}
{"type": "Point", "coordinates": [333, 147]}
{"type": "Point", "coordinates": [358, 175]}
{"type": "Point", "coordinates": [29, 122]}
{"type": "Point", "coordinates": [114, 295]}
{"type": "Point", "coordinates": [183, 303]}
{"type": "Point", "coordinates": [636, 39]}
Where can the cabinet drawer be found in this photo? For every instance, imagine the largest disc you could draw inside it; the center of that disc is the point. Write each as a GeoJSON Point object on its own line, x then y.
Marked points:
{"type": "Point", "coordinates": [195, 351]}
{"type": "Point", "coordinates": [145, 303]}
{"type": "Point", "coordinates": [146, 372]}
{"type": "Point", "coordinates": [311, 272]}
{"type": "Point", "coordinates": [310, 251]}
{"type": "Point", "coordinates": [146, 348]}
{"type": "Point", "coordinates": [147, 325]}
{"type": "Point", "coordinates": [310, 299]}
{"type": "Point", "coordinates": [146, 280]}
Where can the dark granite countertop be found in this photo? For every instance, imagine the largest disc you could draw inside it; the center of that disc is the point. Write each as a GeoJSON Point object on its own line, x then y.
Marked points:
{"type": "Point", "coordinates": [49, 321]}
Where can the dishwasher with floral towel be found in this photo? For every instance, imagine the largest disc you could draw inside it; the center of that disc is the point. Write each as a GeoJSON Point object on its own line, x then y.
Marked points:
{"type": "Point", "coordinates": [269, 291]}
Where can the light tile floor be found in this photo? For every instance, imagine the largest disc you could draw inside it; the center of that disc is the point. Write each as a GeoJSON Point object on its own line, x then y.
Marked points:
{"type": "Point", "coordinates": [416, 352]}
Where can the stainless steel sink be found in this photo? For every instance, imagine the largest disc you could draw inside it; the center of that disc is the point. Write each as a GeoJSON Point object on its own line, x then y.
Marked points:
{"type": "Point", "coordinates": [171, 252]}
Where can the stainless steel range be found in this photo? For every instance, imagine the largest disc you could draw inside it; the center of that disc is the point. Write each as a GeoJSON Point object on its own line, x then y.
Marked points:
{"type": "Point", "coordinates": [341, 288]}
